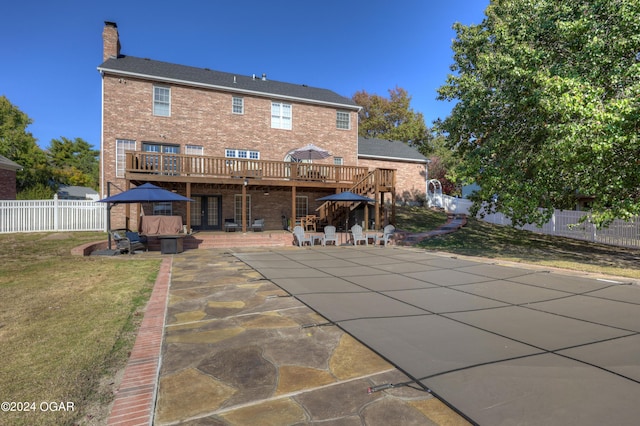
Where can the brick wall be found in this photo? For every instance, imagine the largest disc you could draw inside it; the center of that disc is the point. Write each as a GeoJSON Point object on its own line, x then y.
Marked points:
{"type": "Point", "coordinates": [410, 177]}
{"type": "Point", "coordinates": [7, 184]}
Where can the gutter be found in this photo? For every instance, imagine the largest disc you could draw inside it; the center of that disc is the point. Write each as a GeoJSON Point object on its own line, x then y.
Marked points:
{"type": "Point", "coordinates": [406, 160]}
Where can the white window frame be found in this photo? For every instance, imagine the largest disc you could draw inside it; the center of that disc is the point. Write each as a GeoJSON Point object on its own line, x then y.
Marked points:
{"type": "Point", "coordinates": [338, 161]}
{"type": "Point", "coordinates": [194, 150]}
{"type": "Point", "coordinates": [237, 105]}
{"type": "Point", "coordinates": [161, 101]}
{"type": "Point", "coordinates": [242, 153]}
{"type": "Point", "coordinates": [281, 115]}
{"type": "Point", "coordinates": [122, 146]}
{"type": "Point", "coordinates": [302, 206]}
{"type": "Point", "coordinates": [343, 120]}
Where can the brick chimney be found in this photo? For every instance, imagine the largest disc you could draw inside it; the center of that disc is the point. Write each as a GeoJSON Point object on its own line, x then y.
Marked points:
{"type": "Point", "coordinates": [110, 40]}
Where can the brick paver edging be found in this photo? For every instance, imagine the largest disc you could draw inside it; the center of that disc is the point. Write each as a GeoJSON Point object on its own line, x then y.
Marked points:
{"type": "Point", "coordinates": [135, 400]}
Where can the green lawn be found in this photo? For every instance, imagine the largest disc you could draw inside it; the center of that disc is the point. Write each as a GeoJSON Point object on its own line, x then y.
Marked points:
{"type": "Point", "coordinates": [65, 322]}
{"type": "Point", "coordinates": [482, 239]}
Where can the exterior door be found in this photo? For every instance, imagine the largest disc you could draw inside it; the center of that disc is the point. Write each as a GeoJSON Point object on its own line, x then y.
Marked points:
{"type": "Point", "coordinates": [206, 212]}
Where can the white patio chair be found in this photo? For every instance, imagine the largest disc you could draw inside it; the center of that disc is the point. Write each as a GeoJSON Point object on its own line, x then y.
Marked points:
{"type": "Point", "coordinates": [387, 233]}
{"type": "Point", "coordinates": [300, 237]}
{"type": "Point", "coordinates": [357, 235]}
{"type": "Point", "coordinates": [258, 225]}
{"type": "Point", "coordinates": [330, 235]}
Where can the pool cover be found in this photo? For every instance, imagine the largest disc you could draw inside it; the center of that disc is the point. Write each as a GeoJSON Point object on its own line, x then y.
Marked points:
{"type": "Point", "coordinates": [503, 345]}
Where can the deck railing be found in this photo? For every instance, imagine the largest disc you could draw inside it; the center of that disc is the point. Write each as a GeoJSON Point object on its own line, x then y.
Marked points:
{"type": "Point", "coordinates": [221, 167]}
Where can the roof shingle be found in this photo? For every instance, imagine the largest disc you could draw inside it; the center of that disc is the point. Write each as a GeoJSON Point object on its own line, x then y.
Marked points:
{"type": "Point", "coordinates": [382, 148]}
{"type": "Point", "coordinates": [203, 77]}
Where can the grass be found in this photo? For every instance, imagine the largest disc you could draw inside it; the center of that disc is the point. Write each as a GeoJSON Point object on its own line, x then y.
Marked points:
{"type": "Point", "coordinates": [482, 239]}
{"type": "Point", "coordinates": [65, 322]}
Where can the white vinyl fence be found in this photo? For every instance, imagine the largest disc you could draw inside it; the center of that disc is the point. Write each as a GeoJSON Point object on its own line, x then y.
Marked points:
{"type": "Point", "coordinates": [52, 215]}
{"type": "Point", "coordinates": [565, 223]}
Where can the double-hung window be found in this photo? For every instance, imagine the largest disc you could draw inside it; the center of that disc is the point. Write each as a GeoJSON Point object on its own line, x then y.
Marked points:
{"type": "Point", "coordinates": [237, 105]}
{"type": "Point", "coordinates": [343, 120]}
{"type": "Point", "coordinates": [281, 116]}
{"type": "Point", "coordinates": [161, 101]}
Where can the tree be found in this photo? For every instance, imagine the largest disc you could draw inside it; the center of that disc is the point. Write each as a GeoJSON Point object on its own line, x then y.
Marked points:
{"type": "Point", "coordinates": [391, 118]}
{"type": "Point", "coordinates": [441, 165]}
{"type": "Point", "coordinates": [20, 146]}
{"type": "Point", "coordinates": [74, 162]}
{"type": "Point", "coordinates": [549, 107]}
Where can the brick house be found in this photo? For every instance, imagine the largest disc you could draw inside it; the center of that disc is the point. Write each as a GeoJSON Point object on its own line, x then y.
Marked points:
{"type": "Point", "coordinates": [225, 140]}
{"type": "Point", "coordinates": [8, 170]}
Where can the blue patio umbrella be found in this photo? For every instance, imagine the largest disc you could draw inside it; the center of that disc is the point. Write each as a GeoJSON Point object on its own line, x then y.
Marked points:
{"type": "Point", "coordinates": [346, 196]}
{"type": "Point", "coordinates": [145, 193]}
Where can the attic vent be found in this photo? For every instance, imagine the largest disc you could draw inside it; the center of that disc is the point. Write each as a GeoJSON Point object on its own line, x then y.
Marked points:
{"type": "Point", "coordinates": [264, 77]}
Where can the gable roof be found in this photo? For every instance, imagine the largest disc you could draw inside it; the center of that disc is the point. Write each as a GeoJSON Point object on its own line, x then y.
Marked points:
{"type": "Point", "coordinates": [72, 192]}
{"type": "Point", "coordinates": [7, 164]}
{"type": "Point", "coordinates": [382, 149]}
{"type": "Point", "coordinates": [206, 78]}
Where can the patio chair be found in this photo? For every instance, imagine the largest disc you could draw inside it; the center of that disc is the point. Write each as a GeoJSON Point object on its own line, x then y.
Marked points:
{"type": "Point", "coordinates": [300, 237]}
{"type": "Point", "coordinates": [258, 225]}
{"type": "Point", "coordinates": [230, 225]}
{"type": "Point", "coordinates": [357, 235]}
{"type": "Point", "coordinates": [387, 233]}
{"type": "Point", "coordinates": [329, 235]}
{"type": "Point", "coordinates": [129, 242]}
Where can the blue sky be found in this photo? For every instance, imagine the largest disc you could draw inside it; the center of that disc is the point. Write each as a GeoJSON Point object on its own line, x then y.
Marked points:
{"type": "Point", "coordinates": [50, 49]}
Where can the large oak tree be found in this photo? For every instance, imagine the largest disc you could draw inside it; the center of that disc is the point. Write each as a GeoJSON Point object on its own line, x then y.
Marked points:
{"type": "Point", "coordinates": [548, 107]}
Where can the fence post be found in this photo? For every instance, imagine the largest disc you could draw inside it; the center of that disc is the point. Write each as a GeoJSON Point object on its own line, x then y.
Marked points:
{"type": "Point", "coordinates": [56, 206]}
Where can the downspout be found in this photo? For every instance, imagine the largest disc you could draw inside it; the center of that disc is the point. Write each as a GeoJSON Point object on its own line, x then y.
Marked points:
{"type": "Point", "coordinates": [102, 134]}
{"type": "Point", "coordinates": [108, 223]}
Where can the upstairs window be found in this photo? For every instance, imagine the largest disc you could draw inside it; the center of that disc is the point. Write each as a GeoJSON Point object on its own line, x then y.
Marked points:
{"type": "Point", "coordinates": [343, 120]}
{"type": "Point", "coordinates": [237, 105]}
{"type": "Point", "coordinates": [280, 116]}
{"type": "Point", "coordinates": [161, 101]}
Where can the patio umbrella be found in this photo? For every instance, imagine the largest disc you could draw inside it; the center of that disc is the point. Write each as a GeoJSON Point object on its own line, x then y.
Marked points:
{"type": "Point", "coordinates": [346, 196]}
{"type": "Point", "coordinates": [310, 152]}
{"type": "Point", "coordinates": [145, 193]}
